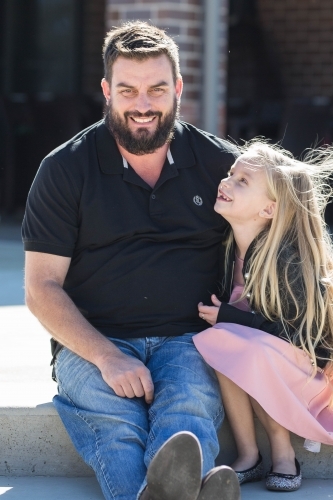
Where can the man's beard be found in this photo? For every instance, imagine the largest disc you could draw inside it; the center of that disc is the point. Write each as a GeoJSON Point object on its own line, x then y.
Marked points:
{"type": "Point", "coordinates": [142, 142]}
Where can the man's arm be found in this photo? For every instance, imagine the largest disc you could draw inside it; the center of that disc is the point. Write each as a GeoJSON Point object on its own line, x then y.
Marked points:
{"type": "Point", "coordinates": [44, 278]}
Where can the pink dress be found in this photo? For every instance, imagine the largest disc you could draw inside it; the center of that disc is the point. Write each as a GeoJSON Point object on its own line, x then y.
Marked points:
{"type": "Point", "coordinates": [274, 372]}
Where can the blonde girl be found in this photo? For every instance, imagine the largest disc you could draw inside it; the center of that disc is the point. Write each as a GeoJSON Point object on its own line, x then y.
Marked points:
{"type": "Point", "coordinates": [271, 342]}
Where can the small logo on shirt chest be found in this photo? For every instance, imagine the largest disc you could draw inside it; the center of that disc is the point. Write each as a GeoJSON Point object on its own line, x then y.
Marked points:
{"type": "Point", "coordinates": [197, 200]}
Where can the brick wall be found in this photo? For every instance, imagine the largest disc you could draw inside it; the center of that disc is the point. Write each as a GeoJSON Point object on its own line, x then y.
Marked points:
{"type": "Point", "coordinates": [301, 34]}
{"type": "Point", "coordinates": [183, 20]}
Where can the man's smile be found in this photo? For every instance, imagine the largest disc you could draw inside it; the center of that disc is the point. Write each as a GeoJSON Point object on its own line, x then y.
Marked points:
{"type": "Point", "coordinates": [143, 120]}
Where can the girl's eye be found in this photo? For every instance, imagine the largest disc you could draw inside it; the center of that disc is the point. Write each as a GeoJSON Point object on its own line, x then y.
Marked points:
{"type": "Point", "coordinates": [242, 179]}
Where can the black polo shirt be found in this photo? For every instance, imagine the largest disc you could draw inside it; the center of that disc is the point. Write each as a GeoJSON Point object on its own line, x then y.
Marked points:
{"type": "Point", "coordinates": [141, 258]}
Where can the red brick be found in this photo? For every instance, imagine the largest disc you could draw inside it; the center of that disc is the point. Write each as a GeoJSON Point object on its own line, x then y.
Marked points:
{"type": "Point", "coordinates": [178, 14]}
{"type": "Point", "coordinates": [193, 63]}
{"type": "Point", "coordinates": [190, 94]}
{"type": "Point", "coordinates": [114, 15]}
{"type": "Point", "coordinates": [197, 32]}
{"type": "Point", "coordinates": [138, 14]}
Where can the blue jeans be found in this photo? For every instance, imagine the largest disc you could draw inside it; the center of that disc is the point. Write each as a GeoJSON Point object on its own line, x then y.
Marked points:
{"type": "Point", "coordinates": [117, 436]}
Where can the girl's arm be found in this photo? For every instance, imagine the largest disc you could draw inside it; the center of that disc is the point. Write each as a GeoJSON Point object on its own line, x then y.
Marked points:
{"type": "Point", "coordinates": [230, 314]}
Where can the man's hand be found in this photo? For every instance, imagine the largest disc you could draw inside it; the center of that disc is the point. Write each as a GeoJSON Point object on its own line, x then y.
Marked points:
{"type": "Point", "coordinates": [127, 376]}
{"type": "Point", "coordinates": [45, 297]}
{"type": "Point", "coordinates": [209, 313]}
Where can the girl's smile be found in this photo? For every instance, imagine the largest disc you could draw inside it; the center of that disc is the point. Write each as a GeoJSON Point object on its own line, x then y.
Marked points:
{"type": "Point", "coordinates": [242, 196]}
{"type": "Point", "coordinates": [222, 196]}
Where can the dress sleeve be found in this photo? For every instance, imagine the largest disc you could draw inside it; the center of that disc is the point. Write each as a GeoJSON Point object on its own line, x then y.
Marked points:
{"type": "Point", "coordinates": [230, 314]}
{"type": "Point", "coordinates": [50, 223]}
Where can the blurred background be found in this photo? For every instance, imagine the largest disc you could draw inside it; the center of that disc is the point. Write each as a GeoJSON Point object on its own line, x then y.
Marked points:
{"type": "Point", "coordinates": [250, 67]}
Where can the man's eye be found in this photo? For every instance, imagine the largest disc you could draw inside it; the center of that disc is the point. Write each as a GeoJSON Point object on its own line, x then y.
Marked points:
{"type": "Point", "coordinates": [127, 92]}
{"type": "Point", "coordinates": [157, 91]}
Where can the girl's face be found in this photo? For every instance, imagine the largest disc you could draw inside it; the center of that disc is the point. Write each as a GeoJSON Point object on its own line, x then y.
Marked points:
{"type": "Point", "coordinates": [242, 196]}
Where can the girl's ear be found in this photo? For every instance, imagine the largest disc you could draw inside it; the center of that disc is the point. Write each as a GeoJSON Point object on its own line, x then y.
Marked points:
{"type": "Point", "coordinates": [269, 211]}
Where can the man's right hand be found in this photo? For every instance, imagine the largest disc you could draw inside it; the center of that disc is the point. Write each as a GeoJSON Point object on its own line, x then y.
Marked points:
{"type": "Point", "coordinates": [47, 300]}
{"type": "Point", "coordinates": [127, 376]}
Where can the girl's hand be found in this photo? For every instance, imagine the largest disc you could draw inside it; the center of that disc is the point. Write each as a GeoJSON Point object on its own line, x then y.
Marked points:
{"type": "Point", "coordinates": [209, 313]}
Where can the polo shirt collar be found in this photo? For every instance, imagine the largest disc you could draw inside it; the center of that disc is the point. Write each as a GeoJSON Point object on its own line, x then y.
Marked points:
{"type": "Point", "coordinates": [111, 161]}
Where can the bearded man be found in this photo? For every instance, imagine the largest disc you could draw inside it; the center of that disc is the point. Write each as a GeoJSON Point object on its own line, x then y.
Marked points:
{"type": "Point", "coordinates": [121, 244]}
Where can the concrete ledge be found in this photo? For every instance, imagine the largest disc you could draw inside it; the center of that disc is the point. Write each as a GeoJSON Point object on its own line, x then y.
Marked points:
{"type": "Point", "coordinates": [34, 442]}
{"type": "Point", "coordinates": [33, 439]}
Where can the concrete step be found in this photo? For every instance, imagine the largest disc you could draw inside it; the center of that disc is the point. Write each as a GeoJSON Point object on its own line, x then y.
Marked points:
{"type": "Point", "coordinates": [33, 439]}
{"type": "Point", "coordinates": [64, 488]}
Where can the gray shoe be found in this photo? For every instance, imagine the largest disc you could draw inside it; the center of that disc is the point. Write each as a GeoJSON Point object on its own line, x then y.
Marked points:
{"type": "Point", "coordinates": [252, 474]}
{"type": "Point", "coordinates": [175, 471]}
{"type": "Point", "coordinates": [221, 483]}
{"type": "Point", "coordinates": [275, 481]}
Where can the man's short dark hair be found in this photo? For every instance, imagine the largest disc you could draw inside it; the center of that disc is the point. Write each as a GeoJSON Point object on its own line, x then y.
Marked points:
{"type": "Point", "coordinates": [138, 40]}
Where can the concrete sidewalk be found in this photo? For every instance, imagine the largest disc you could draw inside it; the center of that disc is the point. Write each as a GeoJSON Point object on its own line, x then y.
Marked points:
{"type": "Point", "coordinates": [64, 488]}
{"type": "Point", "coordinates": [11, 272]}
{"type": "Point", "coordinates": [11, 264]}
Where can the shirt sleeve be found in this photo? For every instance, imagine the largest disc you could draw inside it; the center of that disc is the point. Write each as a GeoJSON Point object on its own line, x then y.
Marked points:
{"type": "Point", "coordinates": [50, 224]}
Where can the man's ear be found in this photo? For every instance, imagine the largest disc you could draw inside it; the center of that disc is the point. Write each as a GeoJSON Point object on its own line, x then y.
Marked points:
{"type": "Point", "coordinates": [106, 89]}
{"type": "Point", "coordinates": [269, 211]}
{"type": "Point", "coordinates": [179, 87]}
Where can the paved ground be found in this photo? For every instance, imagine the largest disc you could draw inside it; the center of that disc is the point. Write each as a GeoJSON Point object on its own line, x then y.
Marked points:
{"type": "Point", "coordinates": [11, 265]}
{"type": "Point", "coordinates": [56, 488]}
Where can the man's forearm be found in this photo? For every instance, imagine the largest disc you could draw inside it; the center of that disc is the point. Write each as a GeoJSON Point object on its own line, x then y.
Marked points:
{"type": "Point", "coordinates": [61, 318]}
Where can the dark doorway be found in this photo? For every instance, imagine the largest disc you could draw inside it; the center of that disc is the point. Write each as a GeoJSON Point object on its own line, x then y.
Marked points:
{"type": "Point", "coordinates": [42, 103]}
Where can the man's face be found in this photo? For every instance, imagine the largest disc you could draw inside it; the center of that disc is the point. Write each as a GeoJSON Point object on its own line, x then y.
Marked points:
{"type": "Point", "coordinates": [142, 103]}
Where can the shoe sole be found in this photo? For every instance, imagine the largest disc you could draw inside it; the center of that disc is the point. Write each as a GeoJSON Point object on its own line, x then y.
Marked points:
{"type": "Point", "coordinates": [175, 471]}
{"type": "Point", "coordinates": [272, 488]}
{"type": "Point", "coordinates": [221, 485]}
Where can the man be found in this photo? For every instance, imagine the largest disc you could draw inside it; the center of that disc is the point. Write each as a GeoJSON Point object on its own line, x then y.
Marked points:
{"type": "Point", "coordinates": [121, 244]}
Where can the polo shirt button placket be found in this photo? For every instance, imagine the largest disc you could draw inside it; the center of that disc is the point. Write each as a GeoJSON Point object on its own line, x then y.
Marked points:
{"type": "Point", "coordinates": [154, 208]}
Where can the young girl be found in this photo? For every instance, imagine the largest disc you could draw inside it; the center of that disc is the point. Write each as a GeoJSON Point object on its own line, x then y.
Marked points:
{"type": "Point", "coordinates": [271, 344]}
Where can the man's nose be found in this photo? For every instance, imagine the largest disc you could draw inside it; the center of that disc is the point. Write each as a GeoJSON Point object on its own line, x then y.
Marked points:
{"type": "Point", "coordinates": [143, 103]}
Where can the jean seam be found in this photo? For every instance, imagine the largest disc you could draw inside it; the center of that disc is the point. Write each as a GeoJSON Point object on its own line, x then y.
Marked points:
{"type": "Point", "coordinates": [220, 412]}
{"type": "Point", "coordinates": [151, 436]}
{"type": "Point", "coordinates": [97, 453]}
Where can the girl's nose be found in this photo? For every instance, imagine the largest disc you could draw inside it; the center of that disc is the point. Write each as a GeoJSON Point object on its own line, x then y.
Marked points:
{"type": "Point", "coordinates": [224, 183]}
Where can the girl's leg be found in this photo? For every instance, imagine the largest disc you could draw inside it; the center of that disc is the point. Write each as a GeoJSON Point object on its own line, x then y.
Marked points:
{"type": "Point", "coordinates": [283, 455]}
{"type": "Point", "coordinates": [239, 411]}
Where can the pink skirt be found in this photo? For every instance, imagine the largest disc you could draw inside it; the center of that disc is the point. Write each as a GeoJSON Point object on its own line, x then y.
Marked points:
{"type": "Point", "coordinates": [275, 373]}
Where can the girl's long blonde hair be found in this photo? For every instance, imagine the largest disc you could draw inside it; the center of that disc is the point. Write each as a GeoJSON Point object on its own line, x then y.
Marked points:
{"type": "Point", "coordinates": [301, 191]}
